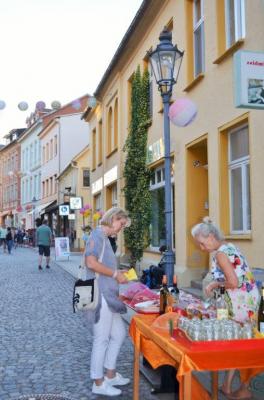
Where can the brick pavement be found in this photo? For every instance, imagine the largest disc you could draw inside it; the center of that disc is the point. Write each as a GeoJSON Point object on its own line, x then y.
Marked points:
{"type": "Point", "coordinates": [45, 348]}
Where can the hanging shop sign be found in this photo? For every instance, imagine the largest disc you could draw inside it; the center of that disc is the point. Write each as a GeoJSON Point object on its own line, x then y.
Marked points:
{"type": "Point", "coordinates": [249, 79]}
{"type": "Point", "coordinates": [64, 210]}
{"type": "Point", "coordinates": [75, 203]}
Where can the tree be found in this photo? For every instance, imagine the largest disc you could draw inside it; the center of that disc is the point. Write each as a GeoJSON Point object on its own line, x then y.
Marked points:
{"type": "Point", "coordinates": [136, 172]}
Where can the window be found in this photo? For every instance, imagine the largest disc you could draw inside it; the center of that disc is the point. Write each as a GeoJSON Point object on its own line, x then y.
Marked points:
{"type": "Point", "coordinates": [234, 21]}
{"type": "Point", "coordinates": [94, 149]}
{"type": "Point", "coordinates": [114, 195]}
{"type": "Point", "coordinates": [157, 226]}
{"type": "Point", "coordinates": [47, 151]}
{"type": "Point", "coordinates": [116, 124]}
{"type": "Point", "coordinates": [239, 180]}
{"type": "Point", "coordinates": [55, 145]}
{"type": "Point", "coordinates": [98, 202]}
{"type": "Point", "coordinates": [51, 185]}
{"type": "Point", "coordinates": [109, 130]}
{"type": "Point", "coordinates": [198, 37]}
{"type": "Point", "coordinates": [43, 155]}
{"type": "Point", "coordinates": [100, 143]}
{"type": "Point", "coordinates": [43, 189]}
{"type": "Point", "coordinates": [51, 149]}
{"type": "Point", "coordinates": [86, 177]}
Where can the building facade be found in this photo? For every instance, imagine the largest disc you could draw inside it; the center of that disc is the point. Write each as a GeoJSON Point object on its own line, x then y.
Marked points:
{"type": "Point", "coordinates": [215, 160]}
{"type": "Point", "coordinates": [10, 156]}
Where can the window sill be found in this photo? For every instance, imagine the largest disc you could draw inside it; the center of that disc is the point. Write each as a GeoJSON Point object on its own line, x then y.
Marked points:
{"type": "Point", "coordinates": [239, 237]}
{"type": "Point", "coordinates": [111, 153]}
{"type": "Point", "coordinates": [99, 165]}
{"type": "Point", "coordinates": [194, 82]}
{"type": "Point", "coordinates": [93, 169]}
{"type": "Point", "coordinates": [229, 51]}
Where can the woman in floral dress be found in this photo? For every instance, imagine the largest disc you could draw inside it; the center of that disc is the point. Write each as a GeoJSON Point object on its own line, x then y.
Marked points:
{"type": "Point", "coordinates": [230, 268]}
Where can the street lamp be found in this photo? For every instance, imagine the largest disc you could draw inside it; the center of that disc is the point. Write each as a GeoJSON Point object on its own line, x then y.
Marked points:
{"type": "Point", "coordinates": [165, 62]}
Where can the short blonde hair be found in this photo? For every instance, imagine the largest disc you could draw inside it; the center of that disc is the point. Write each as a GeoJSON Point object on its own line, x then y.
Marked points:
{"type": "Point", "coordinates": [117, 212]}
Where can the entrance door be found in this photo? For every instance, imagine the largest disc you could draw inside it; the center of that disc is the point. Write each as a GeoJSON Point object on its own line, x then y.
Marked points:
{"type": "Point", "coordinates": [197, 198]}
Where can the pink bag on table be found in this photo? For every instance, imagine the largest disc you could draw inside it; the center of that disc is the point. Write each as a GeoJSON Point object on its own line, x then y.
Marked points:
{"type": "Point", "coordinates": [133, 289]}
{"type": "Point", "coordinates": [144, 295]}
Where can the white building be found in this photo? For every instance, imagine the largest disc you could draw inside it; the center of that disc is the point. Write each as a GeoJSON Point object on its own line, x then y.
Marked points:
{"type": "Point", "coordinates": [30, 174]}
{"type": "Point", "coordinates": [63, 138]}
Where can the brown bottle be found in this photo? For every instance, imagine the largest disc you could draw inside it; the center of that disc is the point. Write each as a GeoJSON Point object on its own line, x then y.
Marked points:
{"type": "Point", "coordinates": [164, 294]}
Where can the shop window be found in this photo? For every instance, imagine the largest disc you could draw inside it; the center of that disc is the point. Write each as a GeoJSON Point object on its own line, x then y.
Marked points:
{"type": "Point", "coordinates": [157, 226]}
{"type": "Point", "coordinates": [86, 177]}
{"type": "Point", "coordinates": [239, 180]}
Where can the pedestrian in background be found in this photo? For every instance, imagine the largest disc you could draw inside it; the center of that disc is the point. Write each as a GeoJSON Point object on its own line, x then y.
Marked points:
{"type": "Point", "coordinates": [43, 238]}
{"type": "Point", "coordinates": [86, 233]}
{"type": "Point", "coordinates": [108, 327]}
{"type": "Point", "coordinates": [9, 240]}
{"type": "Point", "coordinates": [3, 233]}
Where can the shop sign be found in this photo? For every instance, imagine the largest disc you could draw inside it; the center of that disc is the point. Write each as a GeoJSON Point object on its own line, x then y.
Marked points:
{"type": "Point", "coordinates": [62, 247]}
{"type": "Point", "coordinates": [64, 210]}
{"type": "Point", "coordinates": [75, 203]}
{"type": "Point", "coordinates": [249, 79]}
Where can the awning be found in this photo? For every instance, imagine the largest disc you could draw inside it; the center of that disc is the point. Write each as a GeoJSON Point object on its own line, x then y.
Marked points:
{"type": "Point", "coordinates": [51, 206]}
{"type": "Point", "coordinates": [41, 208]}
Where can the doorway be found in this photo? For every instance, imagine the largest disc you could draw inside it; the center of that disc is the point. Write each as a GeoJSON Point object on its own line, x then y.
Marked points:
{"type": "Point", "coordinates": [197, 197]}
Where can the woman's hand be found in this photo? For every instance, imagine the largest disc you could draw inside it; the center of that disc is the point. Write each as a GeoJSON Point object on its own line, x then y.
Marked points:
{"type": "Point", "coordinates": [120, 277]}
{"type": "Point", "coordinates": [209, 288]}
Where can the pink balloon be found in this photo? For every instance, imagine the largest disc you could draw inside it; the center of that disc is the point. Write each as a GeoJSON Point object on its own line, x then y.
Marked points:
{"type": "Point", "coordinates": [182, 112]}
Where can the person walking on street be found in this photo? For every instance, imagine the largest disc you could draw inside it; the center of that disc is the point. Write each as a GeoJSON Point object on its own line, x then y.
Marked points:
{"type": "Point", "coordinates": [43, 238]}
{"type": "Point", "coordinates": [108, 326]}
{"type": "Point", "coordinates": [3, 233]}
{"type": "Point", "coordinates": [9, 240]}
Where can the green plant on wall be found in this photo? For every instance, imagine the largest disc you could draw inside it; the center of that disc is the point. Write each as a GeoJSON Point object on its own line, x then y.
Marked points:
{"type": "Point", "coordinates": [136, 173]}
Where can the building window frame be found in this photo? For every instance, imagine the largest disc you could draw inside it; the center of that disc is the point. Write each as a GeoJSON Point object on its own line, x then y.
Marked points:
{"type": "Point", "coordinates": [198, 38]}
{"type": "Point", "coordinates": [238, 14]}
{"type": "Point", "coordinates": [242, 166]}
{"type": "Point", "coordinates": [86, 180]}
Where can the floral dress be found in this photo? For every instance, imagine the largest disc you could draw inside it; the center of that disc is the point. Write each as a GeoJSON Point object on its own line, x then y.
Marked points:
{"type": "Point", "coordinates": [243, 301]}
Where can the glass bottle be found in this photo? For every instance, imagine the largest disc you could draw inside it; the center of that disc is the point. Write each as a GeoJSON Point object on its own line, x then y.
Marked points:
{"type": "Point", "coordinates": [221, 305]}
{"type": "Point", "coordinates": [164, 294]}
{"type": "Point", "coordinates": [261, 311]}
{"type": "Point", "coordinates": [175, 290]}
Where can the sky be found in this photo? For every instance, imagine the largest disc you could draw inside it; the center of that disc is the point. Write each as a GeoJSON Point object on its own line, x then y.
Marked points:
{"type": "Point", "coordinates": [56, 50]}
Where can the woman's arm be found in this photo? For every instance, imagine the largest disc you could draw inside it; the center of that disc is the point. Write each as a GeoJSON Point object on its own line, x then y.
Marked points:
{"type": "Point", "coordinates": [231, 280]}
{"type": "Point", "coordinates": [100, 268]}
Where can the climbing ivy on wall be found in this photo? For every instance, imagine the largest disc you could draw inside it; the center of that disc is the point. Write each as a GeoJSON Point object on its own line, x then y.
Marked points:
{"type": "Point", "coordinates": [136, 172]}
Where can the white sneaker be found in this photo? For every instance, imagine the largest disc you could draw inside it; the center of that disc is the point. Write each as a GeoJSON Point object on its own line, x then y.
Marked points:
{"type": "Point", "coordinates": [118, 380]}
{"type": "Point", "coordinates": [105, 389]}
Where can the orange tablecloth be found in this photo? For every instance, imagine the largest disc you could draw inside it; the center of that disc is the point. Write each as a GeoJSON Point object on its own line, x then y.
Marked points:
{"type": "Point", "coordinates": [160, 349]}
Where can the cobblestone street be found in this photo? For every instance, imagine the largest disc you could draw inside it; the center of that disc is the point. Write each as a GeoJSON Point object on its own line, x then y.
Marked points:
{"type": "Point", "coordinates": [45, 348]}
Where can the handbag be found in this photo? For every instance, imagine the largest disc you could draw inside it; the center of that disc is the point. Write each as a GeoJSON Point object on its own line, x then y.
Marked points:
{"type": "Point", "coordinates": [86, 291]}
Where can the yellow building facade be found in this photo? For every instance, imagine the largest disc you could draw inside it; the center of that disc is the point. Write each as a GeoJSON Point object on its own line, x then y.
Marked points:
{"type": "Point", "coordinates": [217, 159]}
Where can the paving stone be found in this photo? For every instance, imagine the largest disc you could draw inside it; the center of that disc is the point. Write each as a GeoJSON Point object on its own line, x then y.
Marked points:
{"type": "Point", "coordinates": [45, 348]}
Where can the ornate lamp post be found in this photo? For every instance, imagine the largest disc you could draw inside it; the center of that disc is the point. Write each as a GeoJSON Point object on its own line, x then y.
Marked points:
{"type": "Point", "coordinates": [166, 61]}
{"type": "Point", "coordinates": [33, 201]}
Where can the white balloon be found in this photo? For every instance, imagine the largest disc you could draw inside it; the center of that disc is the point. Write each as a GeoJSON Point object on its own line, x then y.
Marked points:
{"type": "Point", "coordinates": [56, 105]}
{"type": "Point", "coordinates": [23, 106]}
{"type": "Point", "coordinates": [2, 104]}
